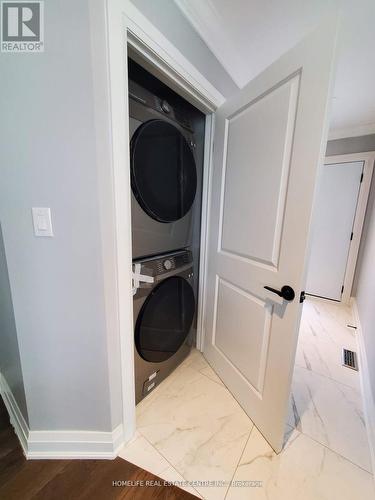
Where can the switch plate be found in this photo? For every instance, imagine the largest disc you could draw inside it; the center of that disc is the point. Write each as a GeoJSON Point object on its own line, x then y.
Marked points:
{"type": "Point", "coordinates": [42, 221]}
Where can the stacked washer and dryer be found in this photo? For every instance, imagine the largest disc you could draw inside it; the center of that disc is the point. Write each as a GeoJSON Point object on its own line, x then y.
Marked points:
{"type": "Point", "coordinates": [166, 187]}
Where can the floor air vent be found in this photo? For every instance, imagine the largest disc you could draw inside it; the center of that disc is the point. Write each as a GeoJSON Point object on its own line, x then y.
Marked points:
{"type": "Point", "coordinates": [349, 359]}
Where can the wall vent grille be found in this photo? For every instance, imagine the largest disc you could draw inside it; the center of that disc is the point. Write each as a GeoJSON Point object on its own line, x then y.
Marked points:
{"type": "Point", "coordinates": [349, 359]}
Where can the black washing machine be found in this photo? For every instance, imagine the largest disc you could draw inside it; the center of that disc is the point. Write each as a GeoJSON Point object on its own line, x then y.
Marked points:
{"type": "Point", "coordinates": [164, 312]}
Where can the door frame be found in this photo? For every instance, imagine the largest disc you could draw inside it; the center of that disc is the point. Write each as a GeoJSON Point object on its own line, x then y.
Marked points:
{"type": "Point", "coordinates": [127, 28]}
{"type": "Point", "coordinates": [368, 158]}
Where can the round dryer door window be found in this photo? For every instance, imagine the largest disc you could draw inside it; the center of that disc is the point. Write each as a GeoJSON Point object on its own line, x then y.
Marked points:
{"type": "Point", "coordinates": [165, 320]}
{"type": "Point", "coordinates": [163, 173]}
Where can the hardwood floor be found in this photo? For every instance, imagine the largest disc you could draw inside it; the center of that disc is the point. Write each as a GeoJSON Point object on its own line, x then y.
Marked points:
{"type": "Point", "coordinates": [22, 479]}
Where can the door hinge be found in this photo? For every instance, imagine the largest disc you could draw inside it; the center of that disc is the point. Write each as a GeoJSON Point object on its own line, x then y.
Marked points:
{"type": "Point", "coordinates": [351, 236]}
{"type": "Point", "coordinates": [302, 297]}
{"type": "Point", "coordinates": [342, 289]}
{"type": "Point", "coordinates": [361, 178]}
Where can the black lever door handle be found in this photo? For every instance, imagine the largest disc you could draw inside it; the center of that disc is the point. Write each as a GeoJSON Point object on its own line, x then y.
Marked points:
{"type": "Point", "coordinates": [286, 292]}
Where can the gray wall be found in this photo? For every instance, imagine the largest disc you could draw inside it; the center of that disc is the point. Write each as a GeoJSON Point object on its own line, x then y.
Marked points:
{"type": "Point", "coordinates": [364, 282]}
{"type": "Point", "coordinates": [348, 145]}
{"type": "Point", "coordinates": [365, 292]}
{"type": "Point", "coordinates": [167, 17]}
{"type": "Point", "coordinates": [10, 363]}
{"type": "Point", "coordinates": [47, 143]}
{"type": "Point", "coordinates": [54, 153]}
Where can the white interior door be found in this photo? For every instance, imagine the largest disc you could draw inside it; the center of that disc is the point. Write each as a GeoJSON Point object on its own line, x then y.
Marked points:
{"type": "Point", "coordinates": [332, 225]}
{"type": "Point", "coordinates": [269, 140]}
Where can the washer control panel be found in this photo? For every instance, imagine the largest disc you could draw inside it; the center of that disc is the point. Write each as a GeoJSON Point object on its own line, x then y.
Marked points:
{"type": "Point", "coordinates": [158, 266]}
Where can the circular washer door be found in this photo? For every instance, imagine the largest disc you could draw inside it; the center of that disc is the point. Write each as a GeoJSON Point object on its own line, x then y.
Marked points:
{"type": "Point", "coordinates": [165, 319]}
{"type": "Point", "coordinates": [163, 173]}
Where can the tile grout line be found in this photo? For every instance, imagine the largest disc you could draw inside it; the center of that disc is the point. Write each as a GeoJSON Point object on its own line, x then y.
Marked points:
{"type": "Point", "coordinates": [329, 378]}
{"type": "Point", "coordinates": [170, 464]}
{"type": "Point", "coordinates": [240, 407]}
{"type": "Point", "coordinates": [330, 449]}
{"type": "Point", "coordinates": [221, 384]}
{"type": "Point", "coordinates": [239, 460]}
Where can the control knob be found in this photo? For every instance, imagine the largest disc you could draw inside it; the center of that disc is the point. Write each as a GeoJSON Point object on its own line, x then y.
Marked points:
{"type": "Point", "coordinates": [167, 264]}
{"type": "Point", "coordinates": [165, 107]}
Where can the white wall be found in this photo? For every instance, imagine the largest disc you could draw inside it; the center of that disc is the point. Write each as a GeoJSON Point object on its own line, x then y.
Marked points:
{"type": "Point", "coordinates": [48, 158]}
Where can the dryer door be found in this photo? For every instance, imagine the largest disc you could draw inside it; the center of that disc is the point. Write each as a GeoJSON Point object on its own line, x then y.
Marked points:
{"type": "Point", "coordinates": [163, 172]}
{"type": "Point", "coordinates": [165, 319]}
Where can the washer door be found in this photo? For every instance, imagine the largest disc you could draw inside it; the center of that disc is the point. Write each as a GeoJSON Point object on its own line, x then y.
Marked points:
{"type": "Point", "coordinates": [165, 319]}
{"type": "Point", "coordinates": [163, 173]}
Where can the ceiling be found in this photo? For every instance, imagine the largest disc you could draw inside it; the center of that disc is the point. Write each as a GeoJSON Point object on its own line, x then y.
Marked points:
{"type": "Point", "coordinates": [248, 35]}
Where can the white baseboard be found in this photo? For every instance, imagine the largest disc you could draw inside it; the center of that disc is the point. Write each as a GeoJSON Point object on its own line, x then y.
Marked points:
{"type": "Point", "coordinates": [74, 444]}
{"type": "Point", "coordinates": [60, 444]}
{"type": "Point", "coordinates": [16, 418]}
{"type": "Point", "coordinates": [367, 396]}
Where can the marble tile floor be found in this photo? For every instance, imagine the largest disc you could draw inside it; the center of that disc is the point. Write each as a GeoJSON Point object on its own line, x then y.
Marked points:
{"type": "Point", "coordinates": [326, 401]}
{"type": "Point", "coordinates": [191, 430]}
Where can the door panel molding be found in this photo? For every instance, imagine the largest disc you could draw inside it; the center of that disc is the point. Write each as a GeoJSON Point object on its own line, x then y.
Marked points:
{"type": "Point", "coordinates": [259, 352]}
{"type": "Point", "coordinates": [233, 194]}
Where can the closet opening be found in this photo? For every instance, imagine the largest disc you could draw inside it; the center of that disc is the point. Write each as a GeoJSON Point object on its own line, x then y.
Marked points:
{"type": "Point", "coordinates": [167, 148]}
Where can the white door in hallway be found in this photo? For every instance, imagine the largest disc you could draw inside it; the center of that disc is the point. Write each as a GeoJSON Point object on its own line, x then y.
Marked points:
{"type": "Point", "coordinates": [269, 140]}
{"type": "Point", "coordinates": [333, 219]}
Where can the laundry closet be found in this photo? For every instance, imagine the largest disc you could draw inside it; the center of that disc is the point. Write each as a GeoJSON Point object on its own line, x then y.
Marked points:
{"type": "Point", "coordinates": [213, 214]}
{"type": "Point", "coordinates": [166, 170]}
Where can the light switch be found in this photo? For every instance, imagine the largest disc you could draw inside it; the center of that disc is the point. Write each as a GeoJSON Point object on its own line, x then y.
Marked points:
{"type": "Point", "coordinates": [42, 221]}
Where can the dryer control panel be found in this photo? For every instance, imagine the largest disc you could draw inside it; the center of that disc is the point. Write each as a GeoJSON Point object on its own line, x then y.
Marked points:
{"type": "Point", "coordinates": [145, 97]}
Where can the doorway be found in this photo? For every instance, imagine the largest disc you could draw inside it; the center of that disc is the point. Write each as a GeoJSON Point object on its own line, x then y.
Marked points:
{"type": "Point", "coordinates": [326, 401]}
{"type": "Point", "coordinates": [338, 217]}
